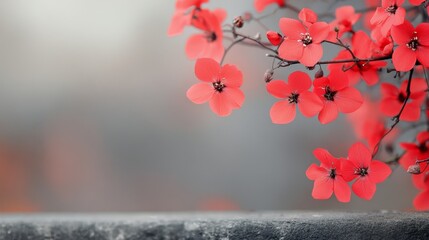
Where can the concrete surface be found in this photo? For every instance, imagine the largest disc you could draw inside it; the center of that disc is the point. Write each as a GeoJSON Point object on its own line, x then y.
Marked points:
{"type": "Point", "coordinates": [223, 226]}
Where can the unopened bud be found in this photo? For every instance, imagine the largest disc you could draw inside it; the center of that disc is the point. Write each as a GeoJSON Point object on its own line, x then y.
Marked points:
{"type": "Point", "coordinates": [336, 29]}
{"type": "Point", "coordinates": [414, 169]}
{"type": "Point", "coordinates": [268, 76]}
{"type": "Point", "coordinates": [275, 38]}
{"type": "Point", "coordinates": [319, 73]}
{"type": "Point", "coordinates": [238, 22]}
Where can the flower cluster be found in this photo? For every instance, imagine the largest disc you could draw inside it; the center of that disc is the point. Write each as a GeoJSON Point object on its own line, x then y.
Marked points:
{"type": "Point", "coordinates": [378, 78]}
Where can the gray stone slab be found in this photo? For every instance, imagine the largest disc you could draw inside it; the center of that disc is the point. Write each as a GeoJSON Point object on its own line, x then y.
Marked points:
{"type": "Point", "coordinates": [223, 226]}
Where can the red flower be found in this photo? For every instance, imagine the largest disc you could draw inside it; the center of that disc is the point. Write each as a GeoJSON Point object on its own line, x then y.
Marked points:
{"type": "Point", "coordinates": [421, 181]}
{"type": "Point", "coordinates": [367, 171]}
{"type": "Point", "coordinates": [413, 45]}
{"type": "Point", "coordinates": [328, 177]}
{"type": "Point", "coordinates": [345, 18]}
{"type": "Point", "coordinates": [368, 71]}
{"type": "Point", "coordinates": [220, 86]}
{"type": "Point", "coordinates": [389, 14]}
{"type": "Point", "coordinates": [182, 17]}
{"type": "Point", "coordinates": [415, 151]}
{"type": "Point", "coordinates": [336, 95]}
{"type": "Point", "coordinates": [302, 44]}
{"type": "Point", "coordinates": [209, 43]}
{"type": "Point", "coordinates": [421, 201]}
{"type": "Point", "coordinates": [260, 5]}
{"type": "Point", "coordinates": [295, 92]}
{"type": "Point", "coordinates": [393, 99]}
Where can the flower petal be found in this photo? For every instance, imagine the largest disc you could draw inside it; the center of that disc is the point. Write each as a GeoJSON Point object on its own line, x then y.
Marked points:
{"type": "Point", "coordinates": [329, 112]}
{"type": "Point", "coordinates": [325, 157]}
{"type": "Point", "coordinates": [314, 172]}
{"type": "Point", "coordinates": [196, 46]}
{"type": "Point", "coordinates": [403, 33]}
{"type": "Point", "coordinates": [220, 105]}
{"type": "Point", "coordinates": [421, 201]}
{"type": "Point", "coordinates": [323, 188]}
{"type": "Point", "coordinates": [360, 155]}
{"type": "Point", "coordinates": [283, 112]}
{"type": "Point", "coordinates": [309, 104]}
{"type": "Point", "coordinates": [348, 100]}
{"type": "Point", "coordinates": [311, 54]}
{"type": "Point", "coordinates": [231, 76]}
{"type": "Point", "coordinates": [291, 49]}
{"type": "Point", "coordinates": [200, 93]}
{"type": "Point", "coordinates": [319, 31]}
{"type": "Point", "coordinates": [278, 89]}
{"type": "Point", "coordinates": [207, 69]}
{"type": "Point", "coordinates": [379, 171]}
{"type": "Point", "coordinates": [342, 190]}
{"type": "Point", "coordinates": [404, 58]}
{"type": "Point", "coordinates": [291, 28]}
{"type": "Point", "coordinates": [364, 188]}
{"type": "Point", "coordinates": [423, 55]}
{"type": "Point", "coordinates": [299, 81]}
{"type": "Point", "coordinates": [234, 97]}
{"type": "Point", "coordinates": [423, 33]}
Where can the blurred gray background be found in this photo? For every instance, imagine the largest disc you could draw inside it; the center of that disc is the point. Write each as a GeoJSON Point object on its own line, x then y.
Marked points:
{"type": "Point", "coordinates": [94, 117]}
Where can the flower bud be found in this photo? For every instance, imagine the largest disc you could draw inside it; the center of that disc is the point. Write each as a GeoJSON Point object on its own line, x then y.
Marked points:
{"type": "Point", "coordinates": [414, 169]}
{"type": "Point", "coordinates": [319, 73]}
{"type": "Point", "coordinates": [268, 76]}
{"type": "Point", "coordinates": [275, 38]}
{"type": "Point", "coordinates": [238, 22]}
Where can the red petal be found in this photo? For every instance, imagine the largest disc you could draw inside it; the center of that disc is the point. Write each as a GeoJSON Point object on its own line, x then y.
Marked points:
{"type": "Point", "coordinates": [200, 93]}
{"type": "Point", "coordinates": [342, 190]}
{"type": "Point", "coordinates": [319, 31]}
{"type": "Point", "coordinates": [348, 100]}
{"type": "Point", "coordinates": [178, 23]}
{"type": "Point", "coordinates": [291, 28]}
{"type": "Point", "coordinates": [309, 104]}
{"type": "Point", "coordinates": [338, 79]}
{"type": "Point", "coordinates": [390, 107]}
{"type": "Point", "coordinates": [348, 170]}
{"type": "Point", "coordinates": [274, 37]}
{"type": "Point", "coordinates": [311, 54]}
{"type": "Point", "coordinates": [233, 96]}
{"type": "Point", "coordinates": [407, 160]}
{"type": "Point", "coordinates": [423, 137]}
{"type": "Point", "coordinates": [196, 46]}
{"type": "Point", "coordinates": [325, 157]}
{"type": "Point", "coordinates": [207, 69]}
{"type": "Point", "coordinates": [379, 16]}
{"type": "Point", "coordinates": [291, 49]}
{"type": "Point", "coordinates": [323, 188]}
{"type": "Point", "coordinates": [360, 155]}
{"type": "Point", "coordinates": [404, 58]}
{"type": "Point", "coordinates": [423, 55]}
{"type": "Point", "coordinates": [329, 112]}
{"type": "Point", "coordinates": [220, 14]}
{"type": "Point", "coordinates": [314, 172]}
{"type": "Point", "coordinates": [379, 171]}
{"type": "Point", "coordinates": [299, 81]}
{"type": "Point", "coordinates": [389, 90]}
{"type": "Point", "coordinates": [364, 188]}
{"type": "Point", "coordinates": [421, 202]}
{"type": "Point", "coordinates": [370, 76]}
{"type": "Point", "coordinates": [399, 17]}
{"type": "Point", "coordinates": [231, 76]}
{"type": "Point", "coordinates": [220, 105]}
{"type": "Point", "coordinates": [403, 33]}
{"type": "Point", "coordinates": [423, 33]}
{"type": "Point", "coordinates": [307, 15]}
{"type": "Point", "coordinates": [411, 112]}
{"type": "Point", "coordinates": [278, 89]}
{"type": "Point", "coordinates": [283, 112]}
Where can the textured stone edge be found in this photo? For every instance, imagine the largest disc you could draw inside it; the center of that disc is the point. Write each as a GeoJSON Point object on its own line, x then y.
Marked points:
{"type": "Point", "coordinates": [274, 225]}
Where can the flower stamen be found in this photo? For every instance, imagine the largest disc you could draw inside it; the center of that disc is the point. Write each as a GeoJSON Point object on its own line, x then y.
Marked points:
{"type": "Point", "coordinates": [219, 86]}
{"type": "Point", "coordinates": [306, 39]}
{"type": "Point", "coordinates": [293, 98]}
{"type": "Point", "coordinates": [413, 43]}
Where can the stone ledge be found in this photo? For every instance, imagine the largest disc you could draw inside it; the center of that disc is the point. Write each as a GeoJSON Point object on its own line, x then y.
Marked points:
{"type": "Point", "coordinates": [224, 226]}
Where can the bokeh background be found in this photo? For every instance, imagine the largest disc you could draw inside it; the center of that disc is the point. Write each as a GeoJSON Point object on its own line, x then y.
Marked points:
{"type": "Point", "coordinates": [94, 117]}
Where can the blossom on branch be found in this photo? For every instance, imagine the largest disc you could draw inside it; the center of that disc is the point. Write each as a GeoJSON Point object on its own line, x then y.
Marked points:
{"type": "Point", "coordinates": [220, 86]}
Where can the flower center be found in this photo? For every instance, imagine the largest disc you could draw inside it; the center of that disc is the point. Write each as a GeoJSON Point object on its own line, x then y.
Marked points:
{"type": "Point", "coordinates": [211, 36]}
{"type": "Point", "coordinates": [422, 147]}
{"type": "Point", "coordinates": [332, 173]}
{"type": "Point", "coordinates": [293, 98]}
{"type": "Point", "coordinates": [391, 9]}
{"type": "Point", "coordinates": [361, 171]}
{"type": "Point", "coordinates": [329, 94]}
{"type": "Point", "coordinates": [413, 43]}
{"type": "Point", "coordinates": [219, 86]}
{"type": "Point", "coordinates": [306, 39]}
